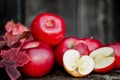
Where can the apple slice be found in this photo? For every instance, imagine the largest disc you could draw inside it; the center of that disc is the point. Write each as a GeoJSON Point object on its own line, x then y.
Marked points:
{"type": "Point", "coordinates": [77, 65]}
{"type": "Point", "coordinates": [116, 47]}
{"type": "Point", "coordinates": [104, 59]}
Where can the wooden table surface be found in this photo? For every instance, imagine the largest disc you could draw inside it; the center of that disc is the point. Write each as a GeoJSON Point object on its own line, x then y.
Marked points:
{"type": "Point", "coordinates": [60, 74]}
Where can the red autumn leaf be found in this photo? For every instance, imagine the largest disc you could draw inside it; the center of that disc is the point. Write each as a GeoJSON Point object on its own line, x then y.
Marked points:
{"type": "Point", "coordinates": [2, 42]}
{"type": "Point", "coordinates": [13, 73]}
{"type": "Point", "coordinates": [15, 40]}
{"type": "Point", "coordinates": [19, 29]}
{"type": "Point", "coordinates": [15, 34]}
{"type": "Point", "coordinates": [25, 34]}
{"type": "Point", "coordinates": [9, 26]}
{"type": "Point", "coordinates": [10, 39]}
{"type": "Point", "coordinates": [16, 29]}
{"type": "Point", "coordinates": [11, 59]}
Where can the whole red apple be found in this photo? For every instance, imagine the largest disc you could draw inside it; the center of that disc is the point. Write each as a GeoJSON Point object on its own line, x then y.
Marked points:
{"type": "Point", "coordinates": [49, 28]}
{"type": "Point", "coordinates": [116, 47]}
{"type": "Point", "coordinates": [92, 43]}
{"type": "Point", "coordinates": [69, 43]}
{"type": "Point", "coordinates": [42, 59]}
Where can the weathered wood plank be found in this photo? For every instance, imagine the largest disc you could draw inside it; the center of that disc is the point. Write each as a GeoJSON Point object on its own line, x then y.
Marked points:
{"type": "Point", "coordinates": [86, 21]}
{"type": "Point", "coordinates": [95, 19]}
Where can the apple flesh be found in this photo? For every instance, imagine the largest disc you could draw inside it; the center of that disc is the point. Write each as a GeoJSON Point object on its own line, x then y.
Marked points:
{"type": "Point", "coordinates": [104, 59]}
{"type": "Point", "coordinates": [77, 65]}
{"type": "Point", "coordinates": [42, 59]}
{"type": "Point", "coordinates": [116, 47]}
{"type": "Point", "coordinates": [69, 43]}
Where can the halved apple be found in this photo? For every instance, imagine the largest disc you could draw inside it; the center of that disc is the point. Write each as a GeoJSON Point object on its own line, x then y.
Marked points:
{"type": "Point", "coordinates": [104, 59]}
{"type": "Point", "coordinates": [77, 65]}
{"type": "Point", "coordinates": [116, 47]}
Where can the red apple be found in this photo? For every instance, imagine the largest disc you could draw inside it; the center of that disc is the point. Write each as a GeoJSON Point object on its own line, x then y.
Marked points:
{"type": "Point", "coordinates": [92, 43]}
{"type": "Point", "coordinates": [104, 59]}
{"type": "Point", "coordinates": [69, 43]}
{"type": "Point", "coordinates": [49, 28]}
{"type": "Point", "coordinates": [42, 59]}
{"type": "Point", "coordinates": [116, 47]}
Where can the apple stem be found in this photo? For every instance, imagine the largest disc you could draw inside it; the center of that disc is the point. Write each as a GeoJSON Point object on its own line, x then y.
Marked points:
{"type": "Point", "coordinates": [49, 23]}
{"type": "Point", "coordinates": [71, 46]}
{"type": "Point", "coordinates": [91, 37]}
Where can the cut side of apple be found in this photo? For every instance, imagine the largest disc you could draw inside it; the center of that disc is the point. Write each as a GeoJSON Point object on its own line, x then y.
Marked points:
{"type": "Point", "coordinates": [77, 65]}
{"type": "Point", "coordinates": [104, 59]}
{"type": "Point", "coordinates": [116, 47]}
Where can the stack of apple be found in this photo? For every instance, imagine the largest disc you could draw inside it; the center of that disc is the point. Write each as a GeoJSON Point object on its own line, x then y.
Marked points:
{"type": "Point", "coordinates": [78, 56]}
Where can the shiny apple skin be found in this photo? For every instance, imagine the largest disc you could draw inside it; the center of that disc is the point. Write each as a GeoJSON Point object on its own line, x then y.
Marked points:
{"type": "Point", "coordinates": [92, 43]}
{"type": "Point", "coordinates": [105, 69]}
{"type": "Point", "coordinates": [42, 60]}
{"type": "Point", "coordinates": [67, 43]}
{"type": "Point", "coordinates": [49, 28]}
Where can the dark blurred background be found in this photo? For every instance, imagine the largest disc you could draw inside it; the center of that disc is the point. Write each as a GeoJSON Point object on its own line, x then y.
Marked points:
{"type": "Point", "coordinates": [84, 18]}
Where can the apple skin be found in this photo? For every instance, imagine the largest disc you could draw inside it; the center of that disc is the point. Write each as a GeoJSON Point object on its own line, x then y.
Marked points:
{"type": "Point", "coordinates": [42, 59]}
{"type": "Point", "coordinates": [116, 47]}
{"type": "Point", "coordinates": [92, 43]}
{"type": "Point", "coordinates": [49, 28]}
{"type": "Point", "coordinates": [67, 43]}
{"type": "Point", "coordinates": [106, 69]}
